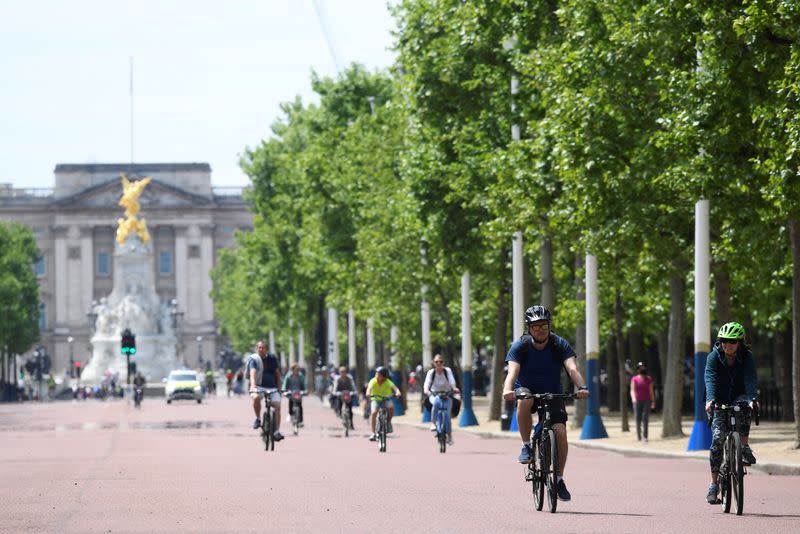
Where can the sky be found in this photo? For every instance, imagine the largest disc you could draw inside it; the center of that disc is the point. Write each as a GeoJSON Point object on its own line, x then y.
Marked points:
{"type": "Point", "coordinates": [208, 77]}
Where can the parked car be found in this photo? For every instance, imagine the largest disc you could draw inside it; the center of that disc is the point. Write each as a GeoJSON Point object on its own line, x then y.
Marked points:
{"type": "Point", "coordinates": [183, 384]}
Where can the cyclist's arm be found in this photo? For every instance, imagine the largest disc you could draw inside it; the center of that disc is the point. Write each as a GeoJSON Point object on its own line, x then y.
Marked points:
{"type": "Point", "coordinates": [253, 384]}
{"type": "Point", "coordinates": [652, 394]}
{"type": "Point", "coordinates": [285, 382]}
{"type": "Point", "coordinates": [575, 375]}
{"type": "Point", "coordinates": [710, 378]}
{"type": "Point", "coordinates": [426, 388]}
{"type": "Point", "coordinates": [511, 378]}
{"type": "Point", "coordinates": [750, 377]}
{"type": "Point", "coordinates": [633, 391]}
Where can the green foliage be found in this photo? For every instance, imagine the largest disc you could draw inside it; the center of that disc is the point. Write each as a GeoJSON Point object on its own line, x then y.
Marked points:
{"type": "Point", "coordinates": [19, 289]}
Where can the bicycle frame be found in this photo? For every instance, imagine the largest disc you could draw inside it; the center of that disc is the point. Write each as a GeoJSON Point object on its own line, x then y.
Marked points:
{"type": "Point", "coordinates": [441, 420]}
{"type": "Point", "coordinates": [382, 424]}
{"type": "Point", "coordinates": [732, 471]}
{"type": "Point", "coordinates": [268, 418]}
{"type": "Point", "coordinates": [346, 402]}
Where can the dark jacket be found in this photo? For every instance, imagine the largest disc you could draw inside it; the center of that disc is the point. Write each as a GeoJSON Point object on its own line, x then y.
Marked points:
{"type": "Point", "coordinates": [724, 383]}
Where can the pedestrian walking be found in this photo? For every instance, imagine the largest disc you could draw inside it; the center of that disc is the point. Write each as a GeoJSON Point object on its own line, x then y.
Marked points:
{"type": "Point", "coordinates": [643, 399]}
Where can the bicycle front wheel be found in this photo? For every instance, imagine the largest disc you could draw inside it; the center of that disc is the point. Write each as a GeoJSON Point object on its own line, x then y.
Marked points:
{"type": "Point", "coordinates": [552, 472]}
{"type": "Point", "coordinates": [724, 478]}
{"type": "Point", "coordinates": [537, 468]}
{"type": "Point", "coordinates": [296, 420]}
{"type": "Point", "coordinates": [737, 473]}
{"type": "Point", "coordinates": [382, 432]}
{"type": "Point", "coordinates": [266, 435]}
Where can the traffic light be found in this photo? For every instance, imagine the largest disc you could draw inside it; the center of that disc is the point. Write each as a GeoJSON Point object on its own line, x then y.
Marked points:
{"type": "Point", "coordinates": [78, 368]}
{"type": "Point", "coordinates": [128, 342]}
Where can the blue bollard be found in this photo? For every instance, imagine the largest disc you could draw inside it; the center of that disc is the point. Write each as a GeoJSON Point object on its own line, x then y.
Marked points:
{"type": "Point", "coordinates": [467, 414]}
{"type": "Point", "coordinates": [514, 426]}
{"type": "Point", "coordinates": [700, 439]}
{"type": "Point", "coordinates": [398, 403]}
{"type": "Point", "coordinates": [593, 427]}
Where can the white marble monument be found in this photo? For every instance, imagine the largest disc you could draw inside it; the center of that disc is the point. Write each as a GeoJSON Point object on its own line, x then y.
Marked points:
{"type": "Point", "coordinates": [133, 304]}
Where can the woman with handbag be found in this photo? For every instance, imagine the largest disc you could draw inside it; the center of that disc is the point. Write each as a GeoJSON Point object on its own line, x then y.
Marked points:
{"type": "Point", "coordinates": [440, 379]}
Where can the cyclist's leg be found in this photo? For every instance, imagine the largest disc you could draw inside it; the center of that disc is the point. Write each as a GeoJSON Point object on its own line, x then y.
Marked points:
{"type": "Point", "coordinates": [373, 413]}
{"type": "Point", "coordinates": [436, 407]}
{"type": "Point", "coordinates": [446, 406]}
{"type": "Point", "coordinates": [525, 419]}
{"type": "Point", "coordinates": [256, 404]}
{"type": "Point", "coordinates": [276, 404]}
{"type": "Point", "coordinates": [717, 441]}
{"type": "Point", "coordinates": [558, 416]}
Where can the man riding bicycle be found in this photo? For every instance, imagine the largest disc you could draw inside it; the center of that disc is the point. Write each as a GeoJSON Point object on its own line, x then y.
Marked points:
{"type": "Point", "coordinates": [381, 385]}
{"type": "Point", "coordinates": [730, 377]}
{"type": "Point", "coordinates": [294, 381]}
{"type": "Point", "coordinates": [264, 371]}
{"type": "Point", "coordinates": [534, 362]}
{"type": "Point", "coordinates": [344, 382]}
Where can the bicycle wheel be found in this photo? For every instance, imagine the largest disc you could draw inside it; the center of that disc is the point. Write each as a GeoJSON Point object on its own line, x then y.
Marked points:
{"type": "Point", "coordinates": [296, 420]}
{"type": "Point", "coordinates": [737, 473]}
{"type": "Point", "coordinates": [537, 468]}
{"type": "Point", "coordinates": [265, 433]}
{"type": "Point", "coordinates": [382, 432]}
{"type": "Point", "coordinates": [552, 472]}
{"type": "Point", "coordinates": [441, 436]}
{"type": "Point", "coordinates": [346, 421]}
{"type": "Point", "coordinates": [724, 478]}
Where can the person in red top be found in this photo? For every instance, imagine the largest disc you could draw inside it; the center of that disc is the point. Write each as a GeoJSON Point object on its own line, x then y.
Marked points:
{"type": "Point", "coordinates": [643, 398]}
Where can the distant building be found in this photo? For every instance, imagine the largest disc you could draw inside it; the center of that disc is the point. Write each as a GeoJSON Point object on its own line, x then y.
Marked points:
{"type": "Point", "coordinates": [75, 224]}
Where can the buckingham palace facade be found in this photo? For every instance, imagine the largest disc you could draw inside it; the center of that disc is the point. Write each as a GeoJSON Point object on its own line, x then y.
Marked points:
{"type": "Point", "coordinates": [75, 223]}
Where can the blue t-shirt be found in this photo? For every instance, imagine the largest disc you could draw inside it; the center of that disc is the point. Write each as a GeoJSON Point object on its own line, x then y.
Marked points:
{"type": "Point", "coordinates": [540, 370]}
{"type": "Point", "coordinates": [268, 376]}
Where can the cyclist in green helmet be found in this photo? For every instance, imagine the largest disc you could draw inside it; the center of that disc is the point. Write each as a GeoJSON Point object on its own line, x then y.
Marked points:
{"type": "Point", "coordinates": [730, 377]}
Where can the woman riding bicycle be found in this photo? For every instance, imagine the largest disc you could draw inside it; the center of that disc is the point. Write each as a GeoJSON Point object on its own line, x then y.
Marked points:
{"type": "Point", "coordinates": [730, 377]}
{"type": "Point", "coordinates": [440, 379]}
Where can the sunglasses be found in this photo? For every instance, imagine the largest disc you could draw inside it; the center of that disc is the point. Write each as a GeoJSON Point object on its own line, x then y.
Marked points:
{"type": "Point", "coordinates": [728, 341]}
{"type": "Point", "coordinates": [540, 327]}
{"type": "Point", "coordinates": [439, 361]}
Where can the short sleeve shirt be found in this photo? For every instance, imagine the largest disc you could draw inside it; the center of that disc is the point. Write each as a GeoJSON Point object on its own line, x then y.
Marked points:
{"type": "Point", "coordinates": [268, 376]}
{"type": "Point", "coordinates": [641, 387]}
{"type": "Point", "coordinates": [540, 370]}
{"type": "Point", "coordinates": [384, 390]}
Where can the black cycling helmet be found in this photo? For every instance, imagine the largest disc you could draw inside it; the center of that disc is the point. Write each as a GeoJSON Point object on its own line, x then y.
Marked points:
{"type": "Point", "coordinates": [537, 313]}
{"type": "Point", "coordinates": [383, 371]}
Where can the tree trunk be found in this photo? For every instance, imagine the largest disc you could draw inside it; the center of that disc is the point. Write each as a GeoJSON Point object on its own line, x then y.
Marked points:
{"type": "Point", "coordinates": [612, 376]}
{"type": "Point", "coordinates": [783, 370]}
{"type": "Point", "coordinates": [546, 268]}
{"type": "Point", "coordinates": [361, 359]}
{"type": "Point", "coordinates": [623, 375]}
{"type": "Point", "coordinates": [500, 347]}
{"type": "Point", "coordinates": [794, 238]}
{"type": "Point", "coordinates": [673, 384]}
{"type": "Point", "coordinates": [722, 292]}
{"type": "Point", "coordinates": [580, 341]}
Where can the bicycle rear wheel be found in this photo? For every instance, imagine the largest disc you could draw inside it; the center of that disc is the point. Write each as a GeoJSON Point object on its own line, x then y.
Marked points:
{"type": "Point", "coordinates": [737, 473]}
{"type": "Point", "coordinates": [552, 472]}
{"type": "Point", "coordinates": [537, 468]}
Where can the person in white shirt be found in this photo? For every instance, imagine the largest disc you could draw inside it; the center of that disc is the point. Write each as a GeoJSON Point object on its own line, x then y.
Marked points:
{"type": "Point", "coordinates": [440, 379]}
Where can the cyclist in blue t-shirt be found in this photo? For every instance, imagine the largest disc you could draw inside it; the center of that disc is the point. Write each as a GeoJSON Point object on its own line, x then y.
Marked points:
{"type": "Point", "coordinates": [534, 362]}
{"type": "Point", "coordinates": [263, 370]}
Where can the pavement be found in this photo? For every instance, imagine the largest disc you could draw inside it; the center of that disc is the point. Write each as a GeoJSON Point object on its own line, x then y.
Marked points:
{"type": "Point", "coordinates": [772, 442]}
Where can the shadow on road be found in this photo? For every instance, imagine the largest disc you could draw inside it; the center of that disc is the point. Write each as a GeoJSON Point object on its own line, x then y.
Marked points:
{"type": "Point", "coordinates": [774, 515]}
{"type": "Point", "coordinates": [603, 513]}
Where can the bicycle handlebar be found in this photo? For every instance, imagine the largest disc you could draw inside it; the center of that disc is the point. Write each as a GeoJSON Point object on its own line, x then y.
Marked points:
{"type": "Point", "coordinates": [525, 393]}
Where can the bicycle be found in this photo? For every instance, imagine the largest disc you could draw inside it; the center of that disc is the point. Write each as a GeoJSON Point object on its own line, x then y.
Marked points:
{"type": "Point", "coordinates": [732, 470]}
{"type": "Point", "coordinates": [345, 399]}
{"type": "Point", "coordinates": [441, 420]}
{"type": "Point", "coordinates": [138, 393]}
{"type": "Point", "coordinates": [542, 471]}
{"type": "Point", "coordinates": [268, 418]}
{"type": "Point", "coordinates": [296, 397]}
{"type": "Point", "coordinates": [382, 426]}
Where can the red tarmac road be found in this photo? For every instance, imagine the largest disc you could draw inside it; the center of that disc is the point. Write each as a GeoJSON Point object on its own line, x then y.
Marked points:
{"type": "Point", "coordinates": [107, 467]}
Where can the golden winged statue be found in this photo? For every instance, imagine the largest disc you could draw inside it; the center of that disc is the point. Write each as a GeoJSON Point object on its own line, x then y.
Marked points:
{"type": "Point", "coordinates": [131, 191]}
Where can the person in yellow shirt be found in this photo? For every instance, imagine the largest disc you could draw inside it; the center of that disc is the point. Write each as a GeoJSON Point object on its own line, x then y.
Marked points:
{"type": "Point", "coordinates": [381, 385]}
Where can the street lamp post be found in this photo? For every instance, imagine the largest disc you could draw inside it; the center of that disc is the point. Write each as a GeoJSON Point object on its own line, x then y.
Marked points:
{"type": "Point", "coordinates": [70, 339]}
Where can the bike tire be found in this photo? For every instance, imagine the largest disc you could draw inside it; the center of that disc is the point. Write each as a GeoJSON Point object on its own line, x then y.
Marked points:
{"type": "Point", "coordinates": [346, 416]}
{"type": "Point", "coordinates": [272, 432]}
{"type": "Point", "coordinates": [724, 477]}
{"type": "Point", "coordinates": [382, 433]}
{"type": "Point", "coordinates": [737, 473]}
{"type": "Point", "coordinates": [537, 468]}
{"type": "Point", "coordinates": [296, 420]}
{"type": "Point", "coordinates": [265, 434]}
{"type": "Point", "coordinates": [552, 491]}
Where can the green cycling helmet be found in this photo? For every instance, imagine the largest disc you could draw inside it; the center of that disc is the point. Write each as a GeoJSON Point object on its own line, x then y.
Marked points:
{"type": "Point", "coordinates": [731, 331]}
